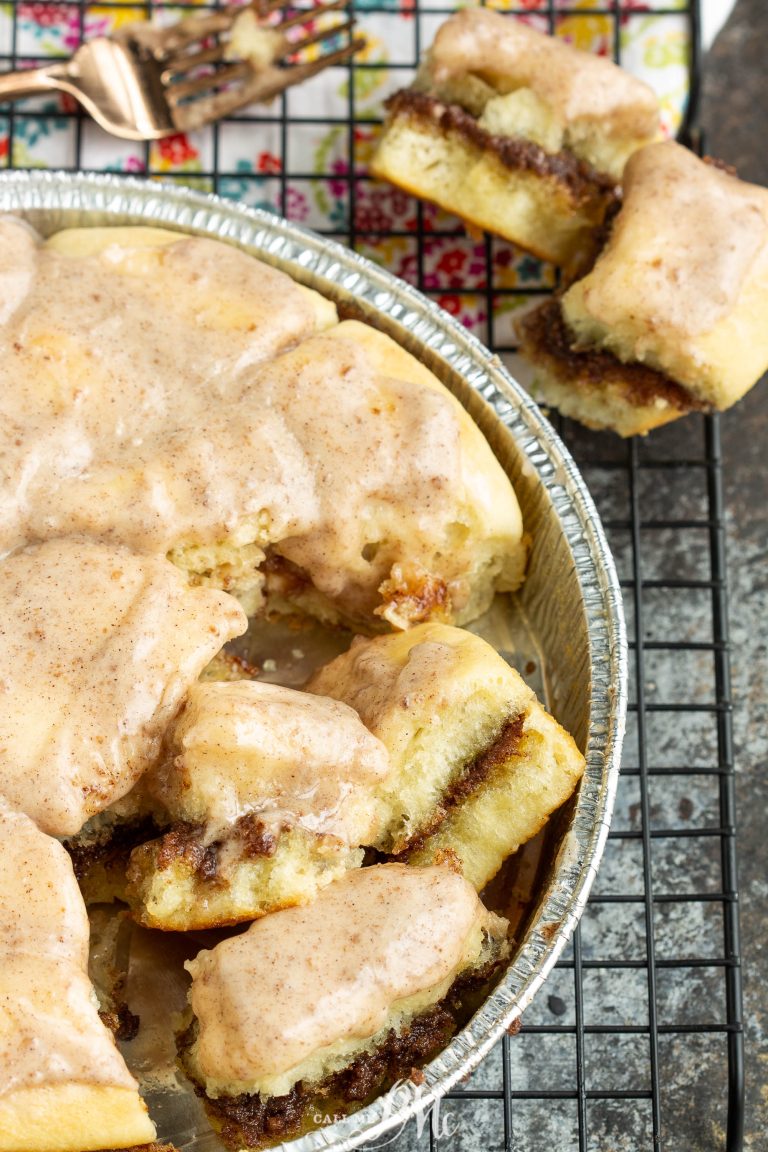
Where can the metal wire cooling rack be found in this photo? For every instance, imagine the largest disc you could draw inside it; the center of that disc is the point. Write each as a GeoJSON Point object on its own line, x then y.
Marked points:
{"type": "Point", "coordinates": [636, 1042]}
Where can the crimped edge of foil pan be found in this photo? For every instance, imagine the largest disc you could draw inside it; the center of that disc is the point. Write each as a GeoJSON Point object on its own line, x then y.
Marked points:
{"type": "Point", "coordinates": [53, 200]}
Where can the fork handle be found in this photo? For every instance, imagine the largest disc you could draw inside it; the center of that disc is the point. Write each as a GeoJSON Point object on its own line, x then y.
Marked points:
{"type": "Point", "coordinates": [30, 82]}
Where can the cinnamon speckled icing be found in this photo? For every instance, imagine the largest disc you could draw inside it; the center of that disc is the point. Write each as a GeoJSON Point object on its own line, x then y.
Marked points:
{"type": "Point", "coordinates": [576, 86]}
{"type": "Point", "coordinates": [305, 978]}
{"type": "Point", "coordinates": [50, 1031]}
{"type": "Point", "coordinates": [111, 354]}
{"type": "Point", "coordinates": [98, 647]}
{"type": "Point", "coordinates": [702, 231]}
{"type": "Point", "coordinates": [289, 756]}
{"type": "Point", "coordinates": [144, 402]}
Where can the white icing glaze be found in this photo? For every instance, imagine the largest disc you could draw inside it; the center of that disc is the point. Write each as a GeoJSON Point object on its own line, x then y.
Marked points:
{"type": "Point", "coordinates": [41, 910]}
{"type": "Point", "coordinates": [306, 977]}
{"type": "Point", "coordinates": [103, 357]}
{"type": "Point", "coordinates": [50, 1031]}
{"type": "Point", "coordinates": [292, 757]}
{"type": "Point", "coordinates": [388, 683]}
{"type": "Point", "coordinates": [98, 647]}
{"type": "Point", "coordinates": [135, 408]}
{"type": "Point", "coordinates": [680, 250]}
{"type": "Point", "coordinates": [401, 682]}
{"type": "Point", "coordinates": [577, 86]}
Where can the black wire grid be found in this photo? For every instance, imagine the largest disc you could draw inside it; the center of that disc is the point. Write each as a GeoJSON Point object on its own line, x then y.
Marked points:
{"type": "Point", "coordinates": [636, 1041]}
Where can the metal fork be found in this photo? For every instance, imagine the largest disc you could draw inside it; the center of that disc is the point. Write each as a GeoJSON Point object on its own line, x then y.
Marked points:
{"type": "Point", "coordinates": [143, 83]}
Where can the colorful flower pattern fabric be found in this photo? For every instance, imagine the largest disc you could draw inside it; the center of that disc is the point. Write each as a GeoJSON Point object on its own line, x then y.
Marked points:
{"type": "Point", "coordinates": [315, 170]}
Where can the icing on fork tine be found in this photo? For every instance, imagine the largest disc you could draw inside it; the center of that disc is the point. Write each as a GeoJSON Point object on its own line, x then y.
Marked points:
{"type": "Point", "coordinates": [273, 62]}
{"type": "Point", "coordinates": [144, 82]}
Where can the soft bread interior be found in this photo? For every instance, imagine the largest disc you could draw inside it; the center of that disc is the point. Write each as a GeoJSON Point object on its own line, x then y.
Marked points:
{"type": "Point", "coordinates": [169, 896]}
{"type": "Point", "coordinates": [436, 697]}
{"type": "Point", "coordinates": [489, 512]}
{"type": "Point", "coordinates": [513, 804]}
{"type": "Point", "coordinates": [534, 211]}
{"type": "Point", "coordinates": [270, 794]}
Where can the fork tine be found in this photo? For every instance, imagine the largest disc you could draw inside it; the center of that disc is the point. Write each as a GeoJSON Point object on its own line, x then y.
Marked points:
{"type": "Point", "coordinates": [308, 14]}
{"type": "Point", "coordinates": [264, 86]}
{"type": "Point", "coordinates": [201, 84]}
{"type": "Point", "coordinates": [296, 73]}
{"type": "Point", "coordinates": [299, 72]}
{"type": "Point", "coordinates": [317, 38]}
{"type": "Point", "coordinates": [184, 61]}
{"type": "Point", "coordinates": [187, 117]}
{"type": "Point", "coordinates": [264, 8]}
{"type": "Point", "coordinates": [165, 42]}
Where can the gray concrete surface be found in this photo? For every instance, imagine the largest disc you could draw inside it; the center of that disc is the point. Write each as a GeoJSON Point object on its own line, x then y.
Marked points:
{"type": "Point", "coordinates": [734, 113]}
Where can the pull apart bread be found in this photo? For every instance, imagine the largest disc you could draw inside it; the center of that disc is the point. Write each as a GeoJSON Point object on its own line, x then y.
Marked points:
{"type": "Point", "coordinates": [64, 1086]}
{"type": "Point", "coordinates": [90, 688]}
{"type": "Point", "coordinates": [671, 319]}
{"type": "Point", "coordinates": [516, 132]}
{"type": "Point", "coordinates": [336, 998]}
{"type": "Point", "coordinates": [201, 405]}
{"type": "Point", "coordinates": [478, 765]}
{"type": "Point", "coordinates": [422, 744]}
{"type": "Point", "coordinates": [269, 792]}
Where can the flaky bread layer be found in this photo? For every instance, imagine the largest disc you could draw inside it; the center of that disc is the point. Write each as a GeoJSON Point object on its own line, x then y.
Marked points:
{"type": "Point", "coordinates": [484, 946]}
{"type": "Point", "coordinates": [173, 897]}
{"type": "Point", "coordinates": [537, 212]}
{"type": "Point", "coordinates": [73, 1118]}
{"type": "Point", "coordinates": [437, 697]}
{"type": "Point", "coordinates": [521, 112]}
{"type": "Point", "coordinates": [436, 760]}
{"type": "Point", "coordinates": [512, 805]}
{"type": "Point", "coordinates": [231, 565]}
{"type": "Point", "coordinates": [593, 386]}
{"type": "Point", "coordinates": [488, 530]}
{"type": "Point", "coordinates": [604, 406]}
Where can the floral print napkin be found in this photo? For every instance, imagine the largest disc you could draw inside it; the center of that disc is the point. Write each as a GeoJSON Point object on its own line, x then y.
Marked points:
{"type": "Point", "coordinates": [306, 155]}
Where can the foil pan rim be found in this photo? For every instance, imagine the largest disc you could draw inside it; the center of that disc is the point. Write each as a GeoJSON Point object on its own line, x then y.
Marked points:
{"type": "Point", "coordinates": [296, 247]}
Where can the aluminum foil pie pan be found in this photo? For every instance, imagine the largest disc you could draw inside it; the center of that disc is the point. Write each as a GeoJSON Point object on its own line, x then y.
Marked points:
{"type": "Point", "coordinates": [564, 630]}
